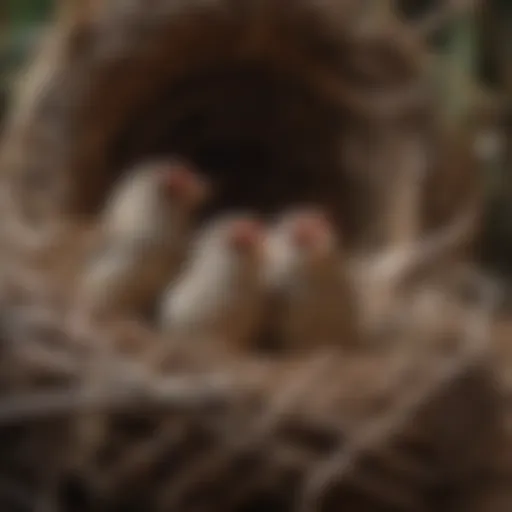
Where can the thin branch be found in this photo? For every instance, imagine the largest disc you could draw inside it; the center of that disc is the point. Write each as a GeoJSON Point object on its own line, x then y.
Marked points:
{"type": "Point", "coordinates": [177, 393]}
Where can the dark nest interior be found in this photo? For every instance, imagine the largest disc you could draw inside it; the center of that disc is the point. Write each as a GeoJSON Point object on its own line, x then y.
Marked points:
{"type": "Point", "coordinates": [280, 103]}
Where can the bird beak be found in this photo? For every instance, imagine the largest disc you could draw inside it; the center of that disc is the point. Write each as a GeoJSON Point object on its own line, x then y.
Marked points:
{"type": "Point", "coordinates": [188, 186]}
{"type": "Point", "coordinates": [247, 236]}
{"type": "Point", "coordinates": [313, 235]}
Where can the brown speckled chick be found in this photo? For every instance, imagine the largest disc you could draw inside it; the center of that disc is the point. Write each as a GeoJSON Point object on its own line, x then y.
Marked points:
{"type": "Point", "coordinates": [145, 229]}
{"type": "Point", "coordinates": [218, 299]}
{"type": "Point", "coordinates": [305, 275]}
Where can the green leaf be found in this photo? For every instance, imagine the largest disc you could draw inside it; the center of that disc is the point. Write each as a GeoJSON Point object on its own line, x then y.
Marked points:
{"type": "Point", "coordinates": [20, 12]}
{"type": "Point", "coordinates": [455, 70]}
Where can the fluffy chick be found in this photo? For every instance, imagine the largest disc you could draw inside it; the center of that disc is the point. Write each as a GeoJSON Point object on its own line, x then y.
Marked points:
{"type": "Point", "coordinates": [145, 228]}
{"type": "Point", "coordinates": [381, 279]}
{"type": "Point", "coordinates": [219, 297]}
{"type": "Point", "coordinates": [313, 301]}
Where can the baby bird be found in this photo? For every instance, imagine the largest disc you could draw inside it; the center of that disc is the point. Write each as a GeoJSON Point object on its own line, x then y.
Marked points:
{"type": "Point", "coordinates": [434, 315]}
{"type": "Point", "coordinates": [145, 227]}
{"type": "Point", "coordinates": [313, 300]}
{"type": "Point", "coordinates": [219, 297]}
{"type": "Point", "coordinates": [382, 280]}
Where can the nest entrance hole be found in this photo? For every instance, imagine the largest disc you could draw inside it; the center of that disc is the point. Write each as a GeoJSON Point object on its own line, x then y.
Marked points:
{"type": "Point", "coordinates": [263, 137]}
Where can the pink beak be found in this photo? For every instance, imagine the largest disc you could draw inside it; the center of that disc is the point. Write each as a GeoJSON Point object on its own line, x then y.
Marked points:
{"type": "Point", "coordinates": [181, 182]}
{"type": "Point", "coordinates": [245, 235]}
{"type": "Point", "coordinates": [309, 230]}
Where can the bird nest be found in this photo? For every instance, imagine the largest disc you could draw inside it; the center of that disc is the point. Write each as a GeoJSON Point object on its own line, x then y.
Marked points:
{"type": "Point", "coordinates": [280, 102]}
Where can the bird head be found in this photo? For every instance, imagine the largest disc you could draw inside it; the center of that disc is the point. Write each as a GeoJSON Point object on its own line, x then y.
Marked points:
{"type": "Point", "coordinates": [183, 184]}
{"type": "Point", "coordinates": [245, 236]}
{"type": "Point", "coordinates": [311, 234]}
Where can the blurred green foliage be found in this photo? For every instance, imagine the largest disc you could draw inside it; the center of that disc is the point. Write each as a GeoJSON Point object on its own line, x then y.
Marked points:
{"type": "Point", "coordinates": [20, 12]}
{"type": "Point", "coordinates": [20, 23]}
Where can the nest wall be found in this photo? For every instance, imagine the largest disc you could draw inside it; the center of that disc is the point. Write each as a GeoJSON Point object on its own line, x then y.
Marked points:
{"type": "Point", "coordinates": [280, 103]}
